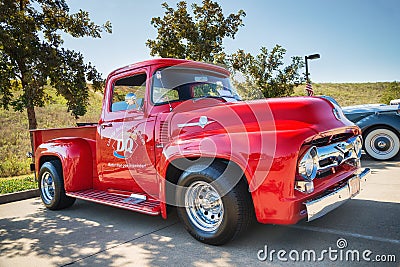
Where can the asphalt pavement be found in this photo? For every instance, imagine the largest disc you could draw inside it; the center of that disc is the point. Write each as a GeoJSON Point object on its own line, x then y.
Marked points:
{"type": "Point", "coordinates": [88, 234]}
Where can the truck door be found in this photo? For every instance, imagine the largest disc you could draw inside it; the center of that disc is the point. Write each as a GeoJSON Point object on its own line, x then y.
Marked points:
{"type": "Point", "coordinates": [126, 138]}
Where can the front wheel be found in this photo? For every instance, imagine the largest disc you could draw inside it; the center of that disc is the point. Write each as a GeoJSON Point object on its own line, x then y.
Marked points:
{"type": "Point", "coordinates": [209, 216]}
{"type": "Point", "coordinates": [382, 143]}
{"type": "Point", "coordinates": [51, 186]}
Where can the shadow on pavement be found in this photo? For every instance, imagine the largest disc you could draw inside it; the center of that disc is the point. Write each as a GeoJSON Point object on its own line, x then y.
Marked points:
{"type": "Point", "coordinates": [62, 237]}
{"type": "Point", "coordinates": [367, 161]}
{"type": "Point", "coordinates": [365, 225]}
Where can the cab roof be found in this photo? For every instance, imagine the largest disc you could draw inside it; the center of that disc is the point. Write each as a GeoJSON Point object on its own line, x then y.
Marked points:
{"type": "Point", "coordinates": [163, 62]}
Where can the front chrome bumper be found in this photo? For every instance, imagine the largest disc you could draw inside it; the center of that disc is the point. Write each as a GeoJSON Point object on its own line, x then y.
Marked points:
{"type": "Point", "coordinates": [324, 204]}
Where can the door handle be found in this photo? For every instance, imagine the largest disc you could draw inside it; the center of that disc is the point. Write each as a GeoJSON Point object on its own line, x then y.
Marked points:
{"type": "Point", "coordinates": [103, 126]}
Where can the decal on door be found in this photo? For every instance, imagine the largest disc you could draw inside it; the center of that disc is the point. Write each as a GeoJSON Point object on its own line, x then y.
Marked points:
{"type": "Point", "coordinates": [126, 144]}
{"type": "Point", "coordinates": [125, 147]}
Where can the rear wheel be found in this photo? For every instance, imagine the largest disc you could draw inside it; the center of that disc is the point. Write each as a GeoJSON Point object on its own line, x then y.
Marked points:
{"type": "Point", "coordinates": [382, 143]}
{"type": "Point", "coordinates": [207, 215]}
{"type": "Point", "coordinates": [51, 186]}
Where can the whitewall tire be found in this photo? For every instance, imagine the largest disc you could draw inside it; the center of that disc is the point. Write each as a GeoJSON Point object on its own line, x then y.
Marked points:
{"type": "Point", "coordinates": [382, 143]}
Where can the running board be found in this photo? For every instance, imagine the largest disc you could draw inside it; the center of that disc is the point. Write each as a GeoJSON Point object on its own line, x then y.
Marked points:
{"type": "Point", "coordinates": [146, 205]}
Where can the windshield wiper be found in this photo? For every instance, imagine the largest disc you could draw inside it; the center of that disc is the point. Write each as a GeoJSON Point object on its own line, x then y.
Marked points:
{"type": "Point", "coordinates": [205, 96]}
{"type": "Point", "coordinates": [195, 99]}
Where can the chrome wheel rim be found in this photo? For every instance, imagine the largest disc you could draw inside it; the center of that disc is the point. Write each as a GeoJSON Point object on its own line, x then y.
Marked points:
{"type": "Point", "coordinates": [204, 206]}
{"type": "Point", "coordinates": [382, 144]}
{"type": "Point", "coordinates": [47, 187]}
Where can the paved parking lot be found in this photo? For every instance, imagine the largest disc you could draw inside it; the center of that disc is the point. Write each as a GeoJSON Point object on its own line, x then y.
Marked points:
{"type": "Point", "coordinates": [89, 234]}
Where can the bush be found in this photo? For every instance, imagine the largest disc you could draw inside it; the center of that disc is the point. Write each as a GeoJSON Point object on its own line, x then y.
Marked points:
{"type": "Point", "coordinates": [392, 91]}
{"type": "Point", "coordinates": [14, 166]}
{"type": "Point", "coordinates": [11, 185]}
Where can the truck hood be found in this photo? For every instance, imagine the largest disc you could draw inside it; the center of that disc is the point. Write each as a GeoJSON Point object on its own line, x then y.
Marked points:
{"type": "Point", "coordinates": [211, 116]}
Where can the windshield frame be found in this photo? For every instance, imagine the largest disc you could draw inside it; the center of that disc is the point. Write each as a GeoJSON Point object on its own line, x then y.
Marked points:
{"type": "Point", "coordinates": [215, 75]}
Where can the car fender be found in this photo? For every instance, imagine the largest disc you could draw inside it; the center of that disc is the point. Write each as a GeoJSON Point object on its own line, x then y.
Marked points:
{"type": "Point", "coordinates": [76, 159]}
{"type": "Point", "coordinates": [377, 119]}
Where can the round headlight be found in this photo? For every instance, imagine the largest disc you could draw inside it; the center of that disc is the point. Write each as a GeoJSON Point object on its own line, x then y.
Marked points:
{"type": "Point", "coordinates": [336, 112]}
{"type": "Point", "coordinates": [358, 146]}
{"type": "Point", "coordinates": [308, 165]}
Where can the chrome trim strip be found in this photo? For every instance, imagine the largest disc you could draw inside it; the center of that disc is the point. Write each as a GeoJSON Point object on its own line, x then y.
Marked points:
{"type": "Point", "coordinates": [203, 122]}
{"type": "Point", "coordinates": [318, 207]}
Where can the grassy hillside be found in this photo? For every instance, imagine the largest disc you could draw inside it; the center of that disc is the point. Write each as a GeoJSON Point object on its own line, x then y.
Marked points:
{"type": "Point", "coordinates": [14, 142]}
{"type": "Point", "coordinates": [348, 94]}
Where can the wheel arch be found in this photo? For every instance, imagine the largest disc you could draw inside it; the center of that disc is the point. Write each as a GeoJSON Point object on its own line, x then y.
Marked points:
{"type": "Point", "coordinates": [48, 158]}
{"type": "Point", "coordinates": [371, 127]}
{"type": "Point", "coordinates": [173, 173]}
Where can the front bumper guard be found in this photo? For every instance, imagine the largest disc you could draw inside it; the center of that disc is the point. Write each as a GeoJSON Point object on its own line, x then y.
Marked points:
{"type": "Point", "coordinates": [322, 205]}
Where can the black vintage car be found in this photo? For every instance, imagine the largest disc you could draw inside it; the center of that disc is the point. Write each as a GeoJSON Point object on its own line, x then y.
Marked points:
{"type": "Point", "coordinates": [380, 125]}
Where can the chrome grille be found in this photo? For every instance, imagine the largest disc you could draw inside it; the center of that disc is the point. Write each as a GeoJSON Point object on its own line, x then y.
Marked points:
{"type": "Point", "coordinates": [331, 156]}
{"type": "Point", "coordinates": [324, 141]}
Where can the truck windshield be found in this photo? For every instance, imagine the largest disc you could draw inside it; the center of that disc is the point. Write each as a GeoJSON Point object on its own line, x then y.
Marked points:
{"type": "Point", "coordinates": [179, 84]}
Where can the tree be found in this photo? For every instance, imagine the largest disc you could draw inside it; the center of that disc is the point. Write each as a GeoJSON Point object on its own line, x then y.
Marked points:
{"type": "Point", "coordinates": [267, 72]}
{"type": "Point", "coordinates": [180, 35]}
{"type": "Point", "coordinates": [32, 56]}
{"type": "Point", "coordinates": [200, 37]}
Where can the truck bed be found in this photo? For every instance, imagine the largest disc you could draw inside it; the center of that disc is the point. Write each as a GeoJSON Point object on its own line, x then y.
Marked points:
{"type": "Point", "coordinates": [42, 135]}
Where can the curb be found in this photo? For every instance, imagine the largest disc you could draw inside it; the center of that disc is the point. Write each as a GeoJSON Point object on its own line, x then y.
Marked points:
{"type": "Point", "coordinates": [6, 198]}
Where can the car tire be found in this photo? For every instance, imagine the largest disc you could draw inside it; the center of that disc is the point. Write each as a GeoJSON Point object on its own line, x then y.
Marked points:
{"type": "Point", "coordinates": [381, 143]}
{"type": "Point", "coordinates": [209, 217]}
{"type": "Point", "coordinates": [51, 186]}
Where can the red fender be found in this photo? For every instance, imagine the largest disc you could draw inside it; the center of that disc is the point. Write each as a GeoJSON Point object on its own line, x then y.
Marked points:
{"type": "Point", "coordinates": [76, 158]}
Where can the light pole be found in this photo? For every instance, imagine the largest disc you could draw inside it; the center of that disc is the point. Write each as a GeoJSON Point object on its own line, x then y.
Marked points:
{"type": "Point", "coordinates": [310, 57]}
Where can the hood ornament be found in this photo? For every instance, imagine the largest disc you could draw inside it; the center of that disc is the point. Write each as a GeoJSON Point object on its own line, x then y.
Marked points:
{"type": "Point", "coordinates": [203, 122]}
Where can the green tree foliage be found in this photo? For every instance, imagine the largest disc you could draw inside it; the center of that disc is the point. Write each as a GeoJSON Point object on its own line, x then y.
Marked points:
{"type": "Point", "coordinates": [31, 55]}
{"type": "Point", "coordinates": [198, 37]}
{"type": "Point", "coordinates": [265, 74]}
{"type": "Point", "coordinates": [392, 91]}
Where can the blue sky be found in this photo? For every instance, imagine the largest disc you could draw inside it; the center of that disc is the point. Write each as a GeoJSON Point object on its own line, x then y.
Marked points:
{"type": "Point", "coordinates": [359, 40]}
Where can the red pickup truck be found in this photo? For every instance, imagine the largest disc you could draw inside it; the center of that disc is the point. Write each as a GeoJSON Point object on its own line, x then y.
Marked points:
{"type": "Point", "coordinates": [175, 133]}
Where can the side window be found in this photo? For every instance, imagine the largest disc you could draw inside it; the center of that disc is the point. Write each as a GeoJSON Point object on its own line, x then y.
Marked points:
{"type": "Point", "coordinates": [128, 93]}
